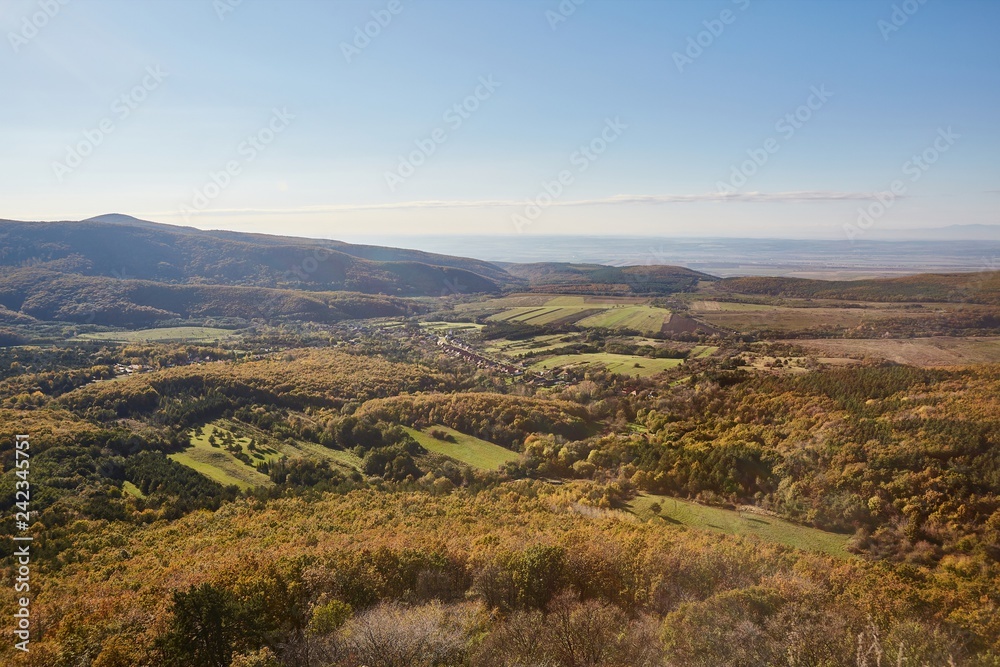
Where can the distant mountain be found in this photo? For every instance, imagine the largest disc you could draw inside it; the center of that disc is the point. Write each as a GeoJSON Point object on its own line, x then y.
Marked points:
{"type": "Point", "coordinates": [602, 279]}
{"type": "Point", "coordinates": [122, 247]}
{"type": "Point", "coordinates": [980, 287]}
{"type": "Point", "coordinates": [118, 270]}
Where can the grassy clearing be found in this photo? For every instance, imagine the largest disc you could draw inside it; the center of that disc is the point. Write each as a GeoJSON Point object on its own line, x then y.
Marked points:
{"type": "Point", "coordinates": [164, 335]}
{"type": "Point", "coordinates": [466, 448]}
{"type": "Point", "coordinates": [220, 464]}
{"type": "Point", "coordinates": [625, 364]}
{"type": "Point", "coordinates": [765, 527]}
{"type": "Point", "coordinates": [132, 490]}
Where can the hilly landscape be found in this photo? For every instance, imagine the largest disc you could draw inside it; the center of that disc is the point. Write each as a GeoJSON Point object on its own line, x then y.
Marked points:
{"type": "Point", "coordinates": [401, 458]}
{"type": "Point", "coordinates": [121, 271]}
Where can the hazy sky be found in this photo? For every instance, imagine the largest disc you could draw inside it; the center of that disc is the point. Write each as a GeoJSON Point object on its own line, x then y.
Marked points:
{"type": "Point", "coordinates": [736, 117]}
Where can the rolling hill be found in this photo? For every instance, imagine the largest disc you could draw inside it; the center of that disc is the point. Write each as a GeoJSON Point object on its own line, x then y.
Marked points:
{"type": "Point", "coordinates": [982, 287]}
{"type": "Point", "coordinates": [601, 279]}
{"type": "Point", "coordinates": [126, 248]}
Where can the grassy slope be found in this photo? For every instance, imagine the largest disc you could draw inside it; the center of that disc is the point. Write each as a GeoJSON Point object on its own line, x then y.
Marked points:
{"type": "Point", "coordinates": [132, 490]}
{"type": "Point", "coordinates": [684, 512]}
{"type": "Point", "coordinates": [467, 449]}
{"type": "Point", "coordinates": [220, 465]}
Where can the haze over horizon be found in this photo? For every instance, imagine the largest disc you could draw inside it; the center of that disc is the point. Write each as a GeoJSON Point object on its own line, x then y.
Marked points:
{"type": "Point", "coordinates": [287, 119]}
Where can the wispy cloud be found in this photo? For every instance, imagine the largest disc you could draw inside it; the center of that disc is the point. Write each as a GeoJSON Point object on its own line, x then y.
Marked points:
{"type": "Point", "coordinates": [615, 200]}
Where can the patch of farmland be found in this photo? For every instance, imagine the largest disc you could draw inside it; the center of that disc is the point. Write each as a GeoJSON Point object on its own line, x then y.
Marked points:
{"type": "Point", "coordinates": [935, 351]}
{"type": "Point", "coordinates": [162, 335]}
{"type": "Point", "coordinates": [640, 318]}
{"type": "Point", "coordinates": [624, 364]}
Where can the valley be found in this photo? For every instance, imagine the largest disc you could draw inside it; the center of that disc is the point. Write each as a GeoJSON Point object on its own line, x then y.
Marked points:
{"type": "Point", "coordinates": [505, 451]}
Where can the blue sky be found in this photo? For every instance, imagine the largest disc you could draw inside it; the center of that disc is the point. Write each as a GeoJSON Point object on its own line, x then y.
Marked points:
{"type": "Point", "coordinates": [254, 115]}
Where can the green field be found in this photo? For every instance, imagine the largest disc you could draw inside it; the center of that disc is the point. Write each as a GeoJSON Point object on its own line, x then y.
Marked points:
{"type": "Point", "coordinates": [466, 448]}
{"type": "Point", "coordinates": [164, 335]}
{"type": "Point", "coordinates": [545, 343]}
{"type": "Point", "coordinates": [640, 318]}
{"type": "Point", "coordinates": [132, 490]}
{"type": "Point", "coordinates": [699, 351]}
{"type": "Point", "coordinates": [626, 364]}
{"type": "Point", "coordinates": [219, 464]}
{"type": "Point", "coordinates": [684, 512]}
{"type": "Point", "coordinates": [586, 312]}
{"type": "Point", "coordinates": [544, 314]}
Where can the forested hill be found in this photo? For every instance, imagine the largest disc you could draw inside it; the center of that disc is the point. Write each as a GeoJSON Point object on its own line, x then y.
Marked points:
{"type": "Point", "coordinates": [981, 287]}
{"type": "Point", "coordinates": [125, 248]}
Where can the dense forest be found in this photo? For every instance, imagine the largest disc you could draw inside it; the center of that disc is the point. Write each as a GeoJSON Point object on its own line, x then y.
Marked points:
{"type": "Point", "coordinates": [412, 558]}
